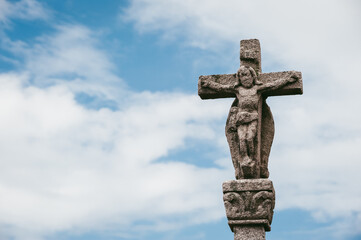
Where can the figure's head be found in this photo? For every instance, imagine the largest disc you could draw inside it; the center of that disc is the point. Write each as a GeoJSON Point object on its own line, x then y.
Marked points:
{"type": "Point", "coordinates": [247, 76]}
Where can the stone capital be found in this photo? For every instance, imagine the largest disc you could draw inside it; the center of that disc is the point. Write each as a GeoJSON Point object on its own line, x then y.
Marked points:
{"type": "Point", "coordinates": [249, 202]}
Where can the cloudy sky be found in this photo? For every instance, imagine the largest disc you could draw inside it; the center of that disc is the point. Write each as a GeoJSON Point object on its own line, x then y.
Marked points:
{"type": "Point", "coordinates": [103, 136]}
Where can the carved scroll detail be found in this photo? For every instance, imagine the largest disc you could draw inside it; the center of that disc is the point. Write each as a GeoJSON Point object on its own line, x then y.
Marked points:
{"type": "Point", "coordinates": [249, 201]}
{"type": "Point", "coordinates": [249, 205]}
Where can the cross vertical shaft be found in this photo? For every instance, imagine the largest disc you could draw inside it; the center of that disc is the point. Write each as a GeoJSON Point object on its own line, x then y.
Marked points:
{"type": "Point", "coordinates": [250, 56]}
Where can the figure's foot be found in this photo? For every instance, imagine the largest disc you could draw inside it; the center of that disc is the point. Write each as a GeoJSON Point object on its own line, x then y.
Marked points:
{"type": "Point", "coordinates": [248, 168]}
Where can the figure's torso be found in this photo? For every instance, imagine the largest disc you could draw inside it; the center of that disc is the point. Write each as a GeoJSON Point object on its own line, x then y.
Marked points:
{"type": "Point", "coordinates": [248, 99]}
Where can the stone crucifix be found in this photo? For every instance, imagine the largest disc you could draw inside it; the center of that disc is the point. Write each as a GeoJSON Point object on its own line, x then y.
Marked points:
{"type": "Point", "coordinates": [250, 199]}
{"type": "Point", "coordinates": [250, 126]}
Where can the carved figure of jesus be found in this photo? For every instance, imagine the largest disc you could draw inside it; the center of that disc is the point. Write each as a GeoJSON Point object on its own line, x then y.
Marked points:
{"type": "Point", "coordinates": [248, 90]}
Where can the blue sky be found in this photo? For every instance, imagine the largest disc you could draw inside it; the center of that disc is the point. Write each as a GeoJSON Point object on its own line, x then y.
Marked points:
{"type": "Point", "coordinates": [103, 135]}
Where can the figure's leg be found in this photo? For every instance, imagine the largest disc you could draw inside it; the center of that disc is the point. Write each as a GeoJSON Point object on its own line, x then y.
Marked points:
{"type": "Point", "coordinates": [241, 131]}
{"type": "Point", "coordinates": [250, 138]}
{"type": "Point", "coordinates": [247, 165]}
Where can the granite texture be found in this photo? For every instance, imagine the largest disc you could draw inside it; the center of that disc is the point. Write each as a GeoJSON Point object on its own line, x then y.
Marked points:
{"type": "Point", "coordinates": [249, 232]}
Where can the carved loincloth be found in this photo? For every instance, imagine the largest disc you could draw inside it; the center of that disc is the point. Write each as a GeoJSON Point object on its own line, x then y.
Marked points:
{"type": "Point", "coordinates": [245, 117]}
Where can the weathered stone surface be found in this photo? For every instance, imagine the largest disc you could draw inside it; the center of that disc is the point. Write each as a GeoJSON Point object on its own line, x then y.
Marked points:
{"type": "Point", "coordinates": [250, 54]}
{"type": "Point", "coordinates": [267, 134]}
{"type": "Point", "coordinates": [230, 79]}
{"type": "Point", "coordinates": [247, 185]}
{"type": "Point", "coordinates": [249, 202]}
{"type": "Point", "coordinates": [224, 79]}
{"type": "Point", "coordinates": [295, 87]}
{"type": "Point", "coordinates": [250, 126]}
{"type": "Point", "coordinates": [249, 232]}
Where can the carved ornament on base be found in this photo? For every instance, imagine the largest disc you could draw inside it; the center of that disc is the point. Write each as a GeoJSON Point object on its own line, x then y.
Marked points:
{"type": "Point", "coordinates": [249, 202]}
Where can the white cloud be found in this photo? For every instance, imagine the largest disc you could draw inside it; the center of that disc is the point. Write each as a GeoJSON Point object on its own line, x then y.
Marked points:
{"type": "Point", "coordinates": [67, 167]}
{"type": "Point", "coordinates": [290, 32]}
{"type": "Point", "coordinates": [71, 57]}
{"type": "Point", "coordinates": [315, 159]}
{"type": "Point", "coordinates": [24, 9]}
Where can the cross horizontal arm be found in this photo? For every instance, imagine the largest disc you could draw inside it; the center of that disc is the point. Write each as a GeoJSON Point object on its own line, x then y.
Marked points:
{"type": "Point", "coordinates": [222, 79]}
{"type": "Point", "coordinates": [266, 78]}
{"type": "Point", "coordinates": [290, 89]}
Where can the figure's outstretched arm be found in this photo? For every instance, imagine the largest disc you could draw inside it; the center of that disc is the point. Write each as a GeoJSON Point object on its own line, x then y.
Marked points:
{"type": "Point", "coordinates": [293, 77]}
{"type": "Point", "coordinates": [218, 86]}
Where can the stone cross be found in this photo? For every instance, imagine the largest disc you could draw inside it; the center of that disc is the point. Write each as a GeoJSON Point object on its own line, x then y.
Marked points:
{"type": "Point", "coordinates": [250, 200]}
{"type": "Point", "coordinates": [250, 127]}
